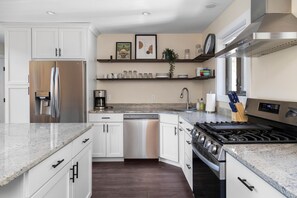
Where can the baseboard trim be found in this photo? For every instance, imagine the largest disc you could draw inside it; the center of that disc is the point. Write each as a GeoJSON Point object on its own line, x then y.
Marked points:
{"type": "Point", "coordinates": [108, 159]}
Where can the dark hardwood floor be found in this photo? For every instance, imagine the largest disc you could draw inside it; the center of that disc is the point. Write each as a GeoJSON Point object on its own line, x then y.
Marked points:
{"type": "Point", "coordinates": [139, 179]}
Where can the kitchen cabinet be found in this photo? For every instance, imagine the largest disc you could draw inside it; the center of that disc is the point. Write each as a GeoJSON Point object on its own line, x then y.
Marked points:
{"type": "Point", "coordinates": [68, 43]}
{"type": "Point", "coordinates": [242, 182]}
{"type": "Point", "coordinates": [108, 135]}
{"type": "Point", "coordinates": [17, 57]}
{"type": "Point", "coordinates": [169, 140]}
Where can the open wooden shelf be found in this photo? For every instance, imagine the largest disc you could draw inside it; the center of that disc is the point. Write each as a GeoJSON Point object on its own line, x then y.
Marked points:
{"type": "Point", "coordinates": [155, 79]}
{"type": "Point", "coordinates": [199, 59]}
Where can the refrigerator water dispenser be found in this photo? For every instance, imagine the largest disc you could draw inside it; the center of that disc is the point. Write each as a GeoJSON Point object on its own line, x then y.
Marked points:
{"type": "Point", "coordinates": [42, 103]}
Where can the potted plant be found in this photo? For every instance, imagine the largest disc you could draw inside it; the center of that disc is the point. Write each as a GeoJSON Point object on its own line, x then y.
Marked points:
{"type": "Point", "coordinates": [171, 56]}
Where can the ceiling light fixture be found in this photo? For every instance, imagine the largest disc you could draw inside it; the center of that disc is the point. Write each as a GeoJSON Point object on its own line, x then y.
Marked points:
{"type": "Point", "coordinates": [146, 13]}
{"type": "Point", "coordinates": [50, 13]}
{"type": "Point", "coordinates": [211, 5]}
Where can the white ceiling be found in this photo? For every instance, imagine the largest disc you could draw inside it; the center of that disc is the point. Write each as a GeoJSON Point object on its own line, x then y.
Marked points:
{"type": "Point", "coordinates": [118, 16]}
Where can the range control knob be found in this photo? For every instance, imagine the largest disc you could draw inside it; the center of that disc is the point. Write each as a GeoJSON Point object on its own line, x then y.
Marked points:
{"type": "Point", "coordinates": [201, 139]}
{"type": "Point", "coordinates": [214, 149]}
{"type": "Point", "coordinates": [208, 144]}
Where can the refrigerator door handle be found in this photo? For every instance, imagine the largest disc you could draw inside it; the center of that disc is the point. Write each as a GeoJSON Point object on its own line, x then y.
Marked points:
{"type": "Point", "coordinates": [52, 97]}
{"type": "Point", "coordinates": [57, 93]}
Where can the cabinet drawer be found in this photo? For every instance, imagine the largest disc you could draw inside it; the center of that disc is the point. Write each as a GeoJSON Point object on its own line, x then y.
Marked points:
{"type": "Point", "coordinates": [185, 125]}
{"type": "Point", "coordinates": [97, 117]}
{"type": "Point", "coordinates": [188, 145]}
{"type": "Point", "coordinates": [82, 141]}
{"type": "Point", "coordinates": [44, 171]}
{"type": "Point", "coordinates": [169, 118]}
{"type": "Point", "coordinates": [188, 170]}
{"type": "Point", "coordinates": [236, 171]}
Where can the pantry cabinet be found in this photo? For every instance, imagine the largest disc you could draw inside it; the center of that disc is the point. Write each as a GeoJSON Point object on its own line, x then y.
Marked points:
{"type": "Point", "coordinates": [242, 182]}
{"type": "Point", "coordinates": [108, 135]}
{"type": "Point", "coordinates": [169, 148]}
{"type": "Point", "coordinates": [68, 43]}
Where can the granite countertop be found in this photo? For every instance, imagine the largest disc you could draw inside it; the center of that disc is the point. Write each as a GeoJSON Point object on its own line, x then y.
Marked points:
{"type": "Point", "coordinates": [22, 146]}
{"type": "Point", "coordinates": [274, 163]}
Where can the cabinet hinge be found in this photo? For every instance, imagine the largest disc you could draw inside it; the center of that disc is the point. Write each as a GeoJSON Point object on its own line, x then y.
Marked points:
{"type": "Point", "coordinates": [3, 68]}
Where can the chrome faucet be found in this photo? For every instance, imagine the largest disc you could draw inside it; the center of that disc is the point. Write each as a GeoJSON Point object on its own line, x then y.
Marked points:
{"type": "Point", "coordinates": [182, 95]}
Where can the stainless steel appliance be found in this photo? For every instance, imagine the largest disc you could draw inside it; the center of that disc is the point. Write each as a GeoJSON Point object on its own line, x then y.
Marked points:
{"type": "Point", "coordinates": [141, 136]}
{"type": "Point", "coordinates": [57, 91]}
{"type": "Point", "coordinates": [99, 99]}
{"type": "Point", "coordinates": [268, 122]}
{"type": "Point", "coordinates": [273, 27]}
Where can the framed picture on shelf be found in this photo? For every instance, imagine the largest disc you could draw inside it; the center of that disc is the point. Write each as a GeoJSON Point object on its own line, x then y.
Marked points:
{"type": "Point", "coordinates": [145, 46]}
{"type": "Point", "coordinates": [123, 50]}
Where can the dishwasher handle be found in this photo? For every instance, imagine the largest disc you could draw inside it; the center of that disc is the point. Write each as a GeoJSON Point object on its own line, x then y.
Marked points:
{"type": "Point", "coordinates": [140, 116]}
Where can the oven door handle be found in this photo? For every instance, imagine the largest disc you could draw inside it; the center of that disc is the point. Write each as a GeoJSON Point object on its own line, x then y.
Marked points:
{"type": "Point", "coordinates": [206, 161]}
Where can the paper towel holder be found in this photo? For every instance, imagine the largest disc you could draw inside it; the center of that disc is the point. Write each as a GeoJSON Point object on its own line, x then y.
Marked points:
{"type": "Point", "coordinates": [210, 103]}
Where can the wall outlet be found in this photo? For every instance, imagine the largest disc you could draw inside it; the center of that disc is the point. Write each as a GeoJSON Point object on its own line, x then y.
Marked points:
{"type": "Point", "coordinates": [108, 97]}
{"type": "Point", "coordinates": [153, 98]}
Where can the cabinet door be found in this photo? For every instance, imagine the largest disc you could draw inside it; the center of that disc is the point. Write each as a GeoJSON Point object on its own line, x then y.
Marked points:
{"type": "Point", "coordinates": [169, 142]}
{"type": "Point", "coordinates": [236, 188]}
{"type": "Point", "coordinates": [72, 43]}
{"type": "Point", "coordinates": [58, 186]}
{"type": "Point", "coordinates": [82, 185]}
{"type": "Point", "coordinates": [17, 55]}
{"type": "Point", "coordinates": [17, 104]}
{"type": "Point", "coordinates": [115, 140]}
{"type": "Point", "coordinates": [181, 147]}
{"type": "Point", "coordinates": [45, 43]}
{"type": "Point", "coordinates": [99, 141]}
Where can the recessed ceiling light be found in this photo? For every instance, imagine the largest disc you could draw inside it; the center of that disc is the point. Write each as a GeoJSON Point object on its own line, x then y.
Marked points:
{"type": "Point", "coordinates": [146, 13]}
{"type": "Point", "coordinates": [50, 13]}
{"type": "Point", "coordinates": [211, 5]}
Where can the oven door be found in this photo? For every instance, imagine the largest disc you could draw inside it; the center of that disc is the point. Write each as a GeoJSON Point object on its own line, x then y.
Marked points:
{"type": "Point", "coordinates": [208, 175]}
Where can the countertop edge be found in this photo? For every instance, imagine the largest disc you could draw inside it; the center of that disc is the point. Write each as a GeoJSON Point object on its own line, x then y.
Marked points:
{"type": "Point", "coordinates": [260, 174]}
{"type": "Point", "coordinates": [8, 178]}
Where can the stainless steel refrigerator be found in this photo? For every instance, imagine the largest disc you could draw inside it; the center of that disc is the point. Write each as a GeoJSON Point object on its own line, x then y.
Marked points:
{"type": "Point", "coordinates": [57, 91]}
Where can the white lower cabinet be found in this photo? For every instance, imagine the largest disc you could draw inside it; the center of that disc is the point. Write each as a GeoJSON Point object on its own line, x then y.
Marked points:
{"type": "Point", "coordinates": [242, 182]}
{"type": "Point", "coordinates": [108, 135]}
{"type": "Point", "coordinates": [169, 140]}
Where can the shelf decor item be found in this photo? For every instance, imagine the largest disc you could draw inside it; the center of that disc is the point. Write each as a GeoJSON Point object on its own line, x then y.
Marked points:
{"type": "Point", "coordinates": [123, 50]}
{"type": "Point", "coordinates": [145, 46]}
{"type": "Point", "coordinates": [171, 57]}
{"type": "Point", "coordinates": [210, 43]}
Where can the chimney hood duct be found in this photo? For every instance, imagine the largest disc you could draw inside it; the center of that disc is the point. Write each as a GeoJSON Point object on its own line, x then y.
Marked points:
{"type": "Point", "coordinates": [273, 28]}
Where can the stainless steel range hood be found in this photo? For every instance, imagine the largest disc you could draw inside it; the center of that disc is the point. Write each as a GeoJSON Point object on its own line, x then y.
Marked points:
{"type": "Point", "coordinates": [272, 28]}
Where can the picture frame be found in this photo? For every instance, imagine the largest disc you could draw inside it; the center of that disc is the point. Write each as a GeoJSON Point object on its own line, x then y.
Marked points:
{"type": "Point", "coordinates": [123, 50]}
{"type": "Point", "coordinates": [145, 46]}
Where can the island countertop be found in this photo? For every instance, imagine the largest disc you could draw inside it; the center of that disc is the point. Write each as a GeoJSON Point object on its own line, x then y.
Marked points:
{"type": "Point", "coordinates": [22, 146]}
{"type": "Point", "coordinates": [274, 163]}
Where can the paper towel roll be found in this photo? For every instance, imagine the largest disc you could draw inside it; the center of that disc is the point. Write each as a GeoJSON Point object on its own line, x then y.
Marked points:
{"type": "Point", "coordinates": [210, 102]}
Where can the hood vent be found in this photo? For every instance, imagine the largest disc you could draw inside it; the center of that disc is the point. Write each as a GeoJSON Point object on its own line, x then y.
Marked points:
{"type": "Point", "coordinates": [273, 28]}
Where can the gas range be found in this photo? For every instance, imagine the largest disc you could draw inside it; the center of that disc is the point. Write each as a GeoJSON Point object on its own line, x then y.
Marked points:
{"type": "Point", "coordinates": [269, 122]}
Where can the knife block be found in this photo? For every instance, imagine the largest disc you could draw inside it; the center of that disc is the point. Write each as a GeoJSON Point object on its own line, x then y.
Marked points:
{"type": "Point", "coordinates": [239, 116]}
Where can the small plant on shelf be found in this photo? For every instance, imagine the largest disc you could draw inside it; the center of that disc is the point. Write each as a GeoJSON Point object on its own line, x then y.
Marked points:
{"type": "Point", "coordinates": [171, 56]}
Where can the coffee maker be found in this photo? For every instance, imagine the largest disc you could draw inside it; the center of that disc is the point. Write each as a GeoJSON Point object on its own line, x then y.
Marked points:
{"type": "Point", "coordinates": [99, 99]}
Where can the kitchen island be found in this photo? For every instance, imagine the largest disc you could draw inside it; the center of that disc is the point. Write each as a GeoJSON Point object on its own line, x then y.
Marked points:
{"type": "Point", "coordinates": [37, 152]}
{"type": "Point", "coordinates": [276, 164]}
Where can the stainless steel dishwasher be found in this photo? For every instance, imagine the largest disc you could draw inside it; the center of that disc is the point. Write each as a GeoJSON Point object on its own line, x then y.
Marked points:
{"type": "Point", "coordinates": [141, 136]}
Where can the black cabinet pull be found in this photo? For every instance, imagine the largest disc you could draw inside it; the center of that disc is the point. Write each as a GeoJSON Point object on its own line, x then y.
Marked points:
{"type": "Point", "coordinates": [84, 141]}
{"type": "Point", "coordinates": [175, 131]}
{"type": "Point", "coordinates": [188, 142]}
{"type": "Point", "coordinates": [180, 129]}
{"type": "Point", "coordinates": [107, 128]}
{"type": "Point", "coordinates": [72, 169]}
{"type": "Point", "coordinates": [189, 167]}
{"type": "Point", "coordinates": [76, 174]}
{"type": "Point", "coordinates": [60, 52]}
{"type": "Point", "coordinates": [105, 118]}
{"type": "Point", "coordinates": [103, 128]}
{"type": "Point", "coordinates": [251, 188]}
{"type": "Point", "coordinates": [58, 163]}
{"type": "Point", "coordinates": [188, 129]}
{"type": "Point", "coordinates": [56, 50]}
{"type": "Point", "coordinates": [180, 122]}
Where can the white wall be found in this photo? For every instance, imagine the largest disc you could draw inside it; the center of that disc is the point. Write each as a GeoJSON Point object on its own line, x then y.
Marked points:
{"type": "Point", "coordinates": [273, 76]}
{"type": "Point", "coordinates": [149, 91]}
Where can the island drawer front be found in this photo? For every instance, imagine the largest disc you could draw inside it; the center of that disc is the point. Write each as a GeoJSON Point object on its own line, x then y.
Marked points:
{"type": "Point", "coordinates": [185, 125]}
{"type": "Point", "coordinates": [188, 145]}
{"type": "Point", "coordinates": [82, 141]}
{"type": "Point", "coordinates": [45, 170]}
{"type": "Point", "coordinates": [103, 117]}
{"type": "Point", "coordinates": [169, 118]}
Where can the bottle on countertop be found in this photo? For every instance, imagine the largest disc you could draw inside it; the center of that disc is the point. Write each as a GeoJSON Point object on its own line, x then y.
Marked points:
{"type": "Point", "coordinates": [201, 105]}
{"type": "Point", "coordinates": [198, 105]}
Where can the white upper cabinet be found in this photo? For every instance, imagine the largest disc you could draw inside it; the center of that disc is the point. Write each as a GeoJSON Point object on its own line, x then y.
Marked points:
{"type": "Point", "coordinates": [68, 43]}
